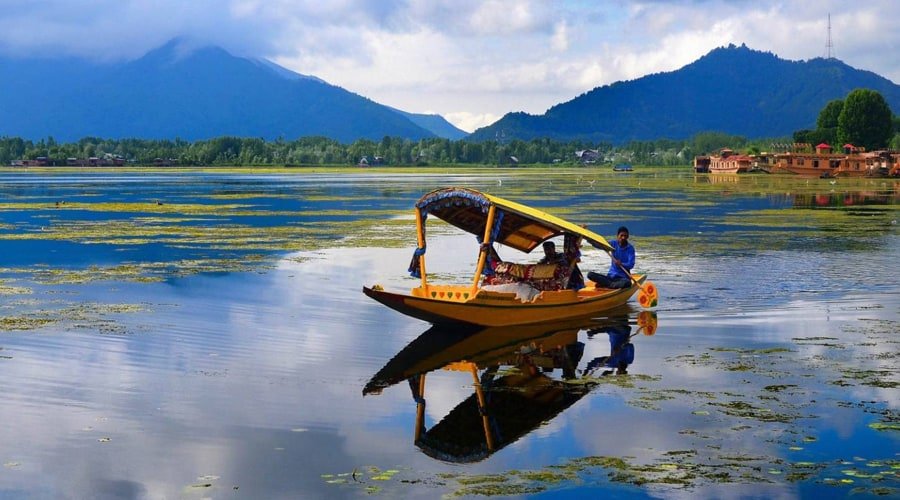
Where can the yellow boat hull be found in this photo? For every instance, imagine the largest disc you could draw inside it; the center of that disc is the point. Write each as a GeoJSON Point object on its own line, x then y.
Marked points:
{"type": "Point", "coordinates": [457, 304]}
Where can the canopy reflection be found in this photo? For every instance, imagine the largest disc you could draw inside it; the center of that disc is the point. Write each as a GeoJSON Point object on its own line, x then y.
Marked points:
{"type": "Point", "coordinates": [522, 377]}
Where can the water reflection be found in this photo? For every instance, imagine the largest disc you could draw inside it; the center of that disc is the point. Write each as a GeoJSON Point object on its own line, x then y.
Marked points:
{"type": "Point", "coordinates": [846, 199]}
{"type": "Point", "coordinates": [522, 377]}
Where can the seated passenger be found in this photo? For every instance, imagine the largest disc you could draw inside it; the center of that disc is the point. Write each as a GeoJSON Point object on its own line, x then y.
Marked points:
{"type": "Point", "coordinates": [572, 249]}
{"type": "Point", "coordinates": [551, 273]}
{"type": "Point", "coordinates": [551, 256]}
{"type": "Point", "coordinates": [568, 260]}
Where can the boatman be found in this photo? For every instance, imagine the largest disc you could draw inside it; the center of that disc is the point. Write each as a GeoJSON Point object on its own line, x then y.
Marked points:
{"type": "Point", "coordinates": [622, 262]}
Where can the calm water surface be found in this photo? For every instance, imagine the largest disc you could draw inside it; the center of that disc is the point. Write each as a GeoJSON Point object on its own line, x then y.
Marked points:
{"type": "Point", "coordinates": [203, 334]}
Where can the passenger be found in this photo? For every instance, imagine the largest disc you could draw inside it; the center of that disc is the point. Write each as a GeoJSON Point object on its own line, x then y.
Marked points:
{"type": "Point", "coordinates": [572, 249]}
{"type": "Point", "coordinates": [622, 262]}
{"type": "Point", "coordinates": [492, 259]}
{"type": "Point", "coordinates": [568, 261]}
{"type": "Point", "coordinates": [551, 256]}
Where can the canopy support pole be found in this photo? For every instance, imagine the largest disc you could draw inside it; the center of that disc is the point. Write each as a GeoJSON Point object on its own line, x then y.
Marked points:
{"type": "Point", "coordinates": [420, 238]}
{"type": "Point", "coordinates": [482, 255]}
{"type": "Point", "coordinates": [420, 408]}
{"type": "Point", "coordinates": [489, 438]}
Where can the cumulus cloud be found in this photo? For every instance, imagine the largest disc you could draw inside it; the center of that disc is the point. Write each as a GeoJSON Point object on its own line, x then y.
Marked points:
{"type": "Point", "coordinates": [471, 121]}
{"type": "Point", "coordinates": [470, 60]}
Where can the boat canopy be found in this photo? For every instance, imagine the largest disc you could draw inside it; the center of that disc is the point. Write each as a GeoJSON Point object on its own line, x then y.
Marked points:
{"type": "Point", "coordinates": [515, 225]}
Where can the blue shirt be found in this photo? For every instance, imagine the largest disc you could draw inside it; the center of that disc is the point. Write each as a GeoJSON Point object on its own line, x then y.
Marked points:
{"type": "Point", "coordinates": [626, 257]}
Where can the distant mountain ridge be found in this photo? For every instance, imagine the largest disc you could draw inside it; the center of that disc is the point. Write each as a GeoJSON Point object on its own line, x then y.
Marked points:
{"type": "Point", "coordinates": [732, 89]}
{"type": "Point", "coordinates": [191, 94]}
{"type": "Point", "coordinates": [436, 124]}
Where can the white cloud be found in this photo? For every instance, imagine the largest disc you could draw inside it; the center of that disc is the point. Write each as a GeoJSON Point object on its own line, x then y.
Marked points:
{"type": "Point", "coordinates": [470, 121]}
{"type": "Point", "coordinates": [560, 40]}
{"type": "Point", "coordinates": [467, 59]}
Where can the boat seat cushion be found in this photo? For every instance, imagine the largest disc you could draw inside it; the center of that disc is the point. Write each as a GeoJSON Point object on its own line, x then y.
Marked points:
{"type": "Point", "coordinates": [540, 276]}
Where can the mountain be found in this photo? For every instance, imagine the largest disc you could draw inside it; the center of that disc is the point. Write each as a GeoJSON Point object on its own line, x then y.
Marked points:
{"type": "Point", "coordinates": [436, 124]}
{"type": "Point", "coordinates": [731, 89]}
{"type": "Point", "coordinates": [189, 94]}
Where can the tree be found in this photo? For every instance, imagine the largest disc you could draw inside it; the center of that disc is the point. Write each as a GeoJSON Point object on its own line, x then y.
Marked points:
{"type": "Point", "coordinates": [827, 123]}
{"type": "Point", "coordinates": [828, 117]}
{"type": "Point", "coordinates": [865, 120]}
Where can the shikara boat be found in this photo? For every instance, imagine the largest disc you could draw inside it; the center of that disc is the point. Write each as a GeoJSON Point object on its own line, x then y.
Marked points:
{"type": "Point", "coordinates": [514, 375]}
{"type": "Point", "coordinates": [504, 293]}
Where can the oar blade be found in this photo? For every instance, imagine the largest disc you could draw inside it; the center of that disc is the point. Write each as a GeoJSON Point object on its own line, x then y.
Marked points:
{"type": "Point", "coordinates": [648, 296]}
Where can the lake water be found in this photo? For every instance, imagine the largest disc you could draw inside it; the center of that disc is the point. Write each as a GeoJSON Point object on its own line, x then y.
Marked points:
{"type": "Point", "coordinates": [178, 334]}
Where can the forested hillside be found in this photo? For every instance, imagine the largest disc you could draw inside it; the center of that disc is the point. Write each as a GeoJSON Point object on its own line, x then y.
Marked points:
{"type": "Point", "coordinates": [734, 90]}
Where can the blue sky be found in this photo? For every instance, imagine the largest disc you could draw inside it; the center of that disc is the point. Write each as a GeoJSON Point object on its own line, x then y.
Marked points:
{"type": "Point", "coordinates": [470, 61]}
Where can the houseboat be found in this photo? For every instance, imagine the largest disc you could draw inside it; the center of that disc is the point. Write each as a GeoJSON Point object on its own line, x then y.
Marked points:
{"type": "Point", "coordinates": [874, 164]}
{"type": "Point", "coordinates": [819, 164]}
{"type": "Point", "coordinates": [802, 159]}
{"type": "Point", "coordinates": [852, 161]}
{"type": "Point", "coordinates": [701, 164]}
{"type": "Point", "coordinates": [727, 162]}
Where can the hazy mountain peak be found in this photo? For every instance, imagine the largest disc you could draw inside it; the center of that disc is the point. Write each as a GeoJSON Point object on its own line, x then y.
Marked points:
{"type": "Point", "coordinates": [284, 72]}
{"type": "Point", "coordinates": [175, 50]}
{"type": "Point", "coordinates": [188, 90]}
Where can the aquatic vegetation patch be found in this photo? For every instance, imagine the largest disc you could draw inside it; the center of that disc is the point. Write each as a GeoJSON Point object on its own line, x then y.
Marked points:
{"type": "Point", "coordinates": [871, 363]}
{"type": "Point", "coordinates": [6, 289]}
{"type": "Point", "coordinates": [144, 272]}
{"type": "Point", "coordinates": [768, 350]}
{"type": "Point", "coordinates": [814, 222]}
{"type": "Point", "coordinates": [679, 468]}
{"type": "Point", "coordinates": [878, 408]}
{"type": "Point", "coordinates": [247, 196]}
{"type": "Point", "coordinates": [129, 232]}
{"type": "Point", "coordinates": [25, 322]}
{"type": "Point", "coordinates": [375, 480]}
{"type": "Point", "coordinates": [761, 361]}
{"type": "Point", "coordinates": [497, 490]}
{"type": "Point", "coordinates": [649, 399]}
{"type": "Point", "coordinates": [822, 341]}
{"type": "Point", "coordinates": [744, 409]}
{"type": "Point", "coordinates": [625, 381]}
{"type": "Point", "coordinates": [873, 378]}
{"type": "Point", "coordinates": [779, 387]}
{"type": "Point", "coordinates": [149, 206]}
{"type": "Point", "coordinates": [92, 316]}
{"type": "Point", "coordinates": [391, 233]}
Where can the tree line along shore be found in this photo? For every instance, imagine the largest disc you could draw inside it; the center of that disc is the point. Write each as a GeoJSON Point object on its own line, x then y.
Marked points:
{"type": "Point", "coordinates": [863, 118]}
{"type": "Point", "coordinates": [390, 151]}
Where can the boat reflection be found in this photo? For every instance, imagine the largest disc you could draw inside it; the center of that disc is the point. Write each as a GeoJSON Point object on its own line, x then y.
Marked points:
{"type": "Point", "coordinates": [522, 377]}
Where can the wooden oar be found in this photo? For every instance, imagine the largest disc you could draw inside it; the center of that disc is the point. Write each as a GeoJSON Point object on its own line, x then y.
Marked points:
{"type": "Point", "coordinates": [647, 323]}
{"type": "Point", "coordinates": [649, 296]}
